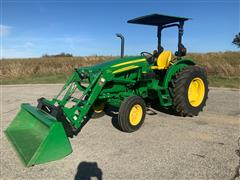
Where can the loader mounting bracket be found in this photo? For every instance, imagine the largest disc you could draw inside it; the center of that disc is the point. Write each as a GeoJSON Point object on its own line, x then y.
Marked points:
{"type": "Point", "coordinates": [57, 112]}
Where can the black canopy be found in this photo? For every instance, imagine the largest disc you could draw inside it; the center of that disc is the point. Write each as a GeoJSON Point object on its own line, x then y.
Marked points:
{"type": "Point", "coordinates": [157, 20]}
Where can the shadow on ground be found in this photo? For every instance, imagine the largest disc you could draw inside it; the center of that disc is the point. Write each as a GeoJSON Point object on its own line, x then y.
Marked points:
{"type": "Point", "coordinates": [88, 170]}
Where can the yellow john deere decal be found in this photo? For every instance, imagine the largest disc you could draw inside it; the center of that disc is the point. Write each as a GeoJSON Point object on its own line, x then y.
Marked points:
{"type": "Point", "coordinates": [125, 69]}
{"type": "Point", "coordinates": [129, 62]}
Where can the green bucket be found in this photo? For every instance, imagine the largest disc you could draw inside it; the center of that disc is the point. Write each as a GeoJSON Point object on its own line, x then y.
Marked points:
{"type": "Point", "coordinates": [37, 136]}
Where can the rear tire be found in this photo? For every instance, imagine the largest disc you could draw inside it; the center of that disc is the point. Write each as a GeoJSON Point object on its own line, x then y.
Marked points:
{"type": "Point", "coordinates": [190, 91]}
{"type": "Point", "coordinates": [131, 114]}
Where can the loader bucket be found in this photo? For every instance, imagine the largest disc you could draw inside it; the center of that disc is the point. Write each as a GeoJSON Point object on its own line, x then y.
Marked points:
{"type": "Point", "coordinates": [37, 137]}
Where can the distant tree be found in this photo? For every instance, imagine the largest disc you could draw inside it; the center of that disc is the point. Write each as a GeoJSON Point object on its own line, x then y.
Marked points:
{"type": "Point", "coordinates": [45, 55]}
{"type": "Point", "coordinates": [236, 40]}
{"type": "Point", "coordinates": [64, 55]}
{"type": "Point", "coordinates": [58, 55]}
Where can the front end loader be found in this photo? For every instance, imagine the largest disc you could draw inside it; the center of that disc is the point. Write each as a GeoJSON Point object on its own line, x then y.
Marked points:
{"type": "Point", "coordinates": [130, 84]}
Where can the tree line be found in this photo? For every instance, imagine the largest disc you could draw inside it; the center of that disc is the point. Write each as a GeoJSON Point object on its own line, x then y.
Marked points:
{"type": "Point", "coordinates": [58, 55]}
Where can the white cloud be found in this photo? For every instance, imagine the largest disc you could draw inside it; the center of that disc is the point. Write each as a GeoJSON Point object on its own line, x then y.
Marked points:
{"type": "Point", "coordinates": [5, 30]}
{"type": "Point", "coordinates": [29, 44]}
{"type": "Point", "coordinates": [33, 46]}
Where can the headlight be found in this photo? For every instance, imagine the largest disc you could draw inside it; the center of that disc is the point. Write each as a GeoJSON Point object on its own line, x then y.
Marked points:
{"type": "Point", "coordinates": [102, 80]}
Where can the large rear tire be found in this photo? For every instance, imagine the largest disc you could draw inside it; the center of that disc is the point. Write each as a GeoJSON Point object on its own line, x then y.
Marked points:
{"type": "Point", "coordinates": [190, 91]}
{"type": "Point", "coordinates": [131, 114]}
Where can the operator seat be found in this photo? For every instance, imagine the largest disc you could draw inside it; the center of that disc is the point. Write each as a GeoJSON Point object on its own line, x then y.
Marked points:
{"type": "Point", "coordinates": [163, 60]}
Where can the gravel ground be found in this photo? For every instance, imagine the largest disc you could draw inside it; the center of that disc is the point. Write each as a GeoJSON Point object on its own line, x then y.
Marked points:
{"type": "Point", "coordinates": [166, 147]}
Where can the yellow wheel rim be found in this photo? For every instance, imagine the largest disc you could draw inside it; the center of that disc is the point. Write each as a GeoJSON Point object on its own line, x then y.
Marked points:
{"type": "Point", "coordinates": [135, 115]}
{"type": "Point", "coordinates": [196, 92]}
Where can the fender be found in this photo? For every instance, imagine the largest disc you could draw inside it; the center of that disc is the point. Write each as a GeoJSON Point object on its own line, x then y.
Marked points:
{"type": "Point", "coordinates": [176, 67]}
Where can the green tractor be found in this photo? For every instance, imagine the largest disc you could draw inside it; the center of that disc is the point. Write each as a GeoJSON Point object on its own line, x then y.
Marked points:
{"type": "Point", "coordinates": [129, 84]}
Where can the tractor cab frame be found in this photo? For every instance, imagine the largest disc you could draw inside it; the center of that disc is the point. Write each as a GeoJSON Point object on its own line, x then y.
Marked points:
{"type": "Point", "coordinates": [162, 22]}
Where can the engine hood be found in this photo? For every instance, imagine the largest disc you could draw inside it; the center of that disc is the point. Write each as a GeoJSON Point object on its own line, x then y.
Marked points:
{"type": "Point", "coordinates": [114, 66]}
{"type": "Point", "coordinates": [118, 63]}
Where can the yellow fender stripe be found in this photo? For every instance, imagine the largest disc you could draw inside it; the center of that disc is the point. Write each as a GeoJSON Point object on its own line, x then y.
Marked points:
{"type": "Point", "coordinates": [125, 69]}
{"type": "Point", "coordinates": [129, 62]}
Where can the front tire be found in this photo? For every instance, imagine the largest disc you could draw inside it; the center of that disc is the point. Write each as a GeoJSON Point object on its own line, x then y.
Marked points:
{"type": "Point", "coordinates": [189, 91]}
{"type": "Point", "coordinates": [131, 114]}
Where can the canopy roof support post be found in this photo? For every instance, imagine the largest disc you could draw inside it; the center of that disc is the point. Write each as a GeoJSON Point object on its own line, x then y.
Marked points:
{"type": "Point", "coordinates": [180, 35]}
{"type": "Point", "coordinates": [159, 35]}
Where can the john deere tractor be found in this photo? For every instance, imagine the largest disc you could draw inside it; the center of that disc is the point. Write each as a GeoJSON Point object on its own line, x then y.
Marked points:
{"type": "Point", "coordinates": [129, 84]}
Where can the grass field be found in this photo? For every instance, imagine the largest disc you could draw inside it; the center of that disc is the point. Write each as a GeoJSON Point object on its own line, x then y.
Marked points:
{"type": "Point", "coordinates": [222, 68]}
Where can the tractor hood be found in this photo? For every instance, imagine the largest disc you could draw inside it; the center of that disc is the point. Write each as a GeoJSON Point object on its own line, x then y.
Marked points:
{"type": "Point", "coordinates": [117, 63]}
{"type": "Point", "coordinates": [115, 66]}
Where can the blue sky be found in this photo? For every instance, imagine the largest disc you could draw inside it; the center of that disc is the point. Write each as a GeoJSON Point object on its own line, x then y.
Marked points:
{"type": "Point", "coordinates": [32, 28]}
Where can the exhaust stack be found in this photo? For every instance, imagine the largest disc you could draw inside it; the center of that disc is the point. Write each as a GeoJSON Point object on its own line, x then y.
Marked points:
{"type": "Point", "coordinates": [122, 43]}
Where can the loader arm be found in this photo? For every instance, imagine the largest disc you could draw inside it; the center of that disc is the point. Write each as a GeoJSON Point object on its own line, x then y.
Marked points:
{"type": "Point", "coordinates": [80, 106]}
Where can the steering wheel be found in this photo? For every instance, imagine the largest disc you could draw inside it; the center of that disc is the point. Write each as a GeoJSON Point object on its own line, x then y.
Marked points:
{"type": "Point", "coordinates": [146, 54]}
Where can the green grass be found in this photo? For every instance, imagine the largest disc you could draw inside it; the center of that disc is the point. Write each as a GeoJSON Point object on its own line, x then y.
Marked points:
{"type": "Point", "coordinates": [214, 81]}
{"type": "Point", "coordinates": [43, 79]}
{"type": "Point", "coordinates": [231, 82]}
